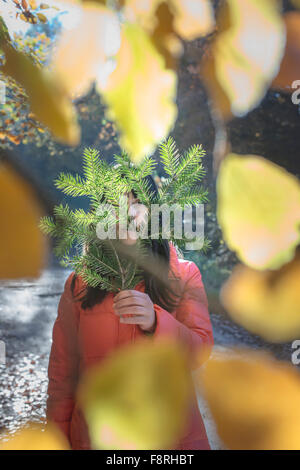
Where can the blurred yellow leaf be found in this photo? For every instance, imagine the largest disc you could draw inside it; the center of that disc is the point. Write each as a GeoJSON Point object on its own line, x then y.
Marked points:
{"type": "Point", "coordinates": [192, 18]}
{"type": "Point", "coordinates": [254, 400]}
{"type": "Point", "coordinates": [138, 398]}
{"type": "Point", "coordinates": [42, 18]}
{"type": "Point", "coordinates": [23, 247]}
{"type": "Point", "coordinates": [140, 94]}
{"type": "Point", "coordinates": [48, 99]}
{"type": "Point", "coordinates": [245, 55]}
{"type": "Point", "coordinates": [36, 437]}
{"type": "Point", "coordinates": [82, 51]}
{"type": "Point", "coordinates": [296, 3]}
{"type": "Point", "coordinates": [23, 18]}
{"type": "Point", "coordinates": [267, 303]}
{"type": "Point", "coordinates": [290, 66]}
{"type": "Point", "coordinates": [258, 210]}
{"type": "Point", "coordinates": [32, 4]}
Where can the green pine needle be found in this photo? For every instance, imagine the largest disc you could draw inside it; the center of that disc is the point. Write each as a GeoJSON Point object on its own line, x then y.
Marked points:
{"type": "Point", "coordinates": [97, 261]}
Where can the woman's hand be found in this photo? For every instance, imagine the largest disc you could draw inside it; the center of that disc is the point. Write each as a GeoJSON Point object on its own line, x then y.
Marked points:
{"type": "Point", "coordinates": [138, 305]}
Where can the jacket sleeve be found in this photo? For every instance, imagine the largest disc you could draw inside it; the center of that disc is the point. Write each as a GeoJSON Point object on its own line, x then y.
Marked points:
{"type": "Point", "coordinates": [63, 362]}
{"type": "Point", "coordinates": [192, 326]}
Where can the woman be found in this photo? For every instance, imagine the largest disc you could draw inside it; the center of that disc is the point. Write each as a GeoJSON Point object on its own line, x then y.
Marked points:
{"type": "Point", "coordinates": [92, 323]}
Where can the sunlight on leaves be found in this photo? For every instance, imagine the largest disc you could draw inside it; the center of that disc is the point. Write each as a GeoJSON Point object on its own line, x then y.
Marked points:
{"type": "Point", "coordinates": [266, 303]}
{"type": "Point", "coordinates": [258, 210]}
{"type": "Point", "coordinates": [254, 400]}
{"type": "Point", "coordinates": [36, 437]}
{"type": "Point", "coordinates": [245, 56]}
{"type": "Point", "coordinates": [290, 65]}
{"type": "Point", "coordinates": [82, 51]}
{"type": "Point", "coordinates": [130, 406]}
{"type": "Point", "coordinates": [48, 99]}
{"type": "Point", "coordinates": [140, 94]}
{"type": "Point", "coordinates": [23, 247]}
{"type": "Point", "coordinates": [193, 18]}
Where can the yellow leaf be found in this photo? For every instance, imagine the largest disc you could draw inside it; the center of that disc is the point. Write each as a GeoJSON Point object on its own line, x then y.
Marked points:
{"type": "Point", "coordinates": [246, 54]}
{"type": "Point", "coordinates": [35, 437]}
{"type": "Point", "coordinates": [23, 18]}
{"type": "Point", "coordinates": [48, 99]}
{"type": "Point", "coordinates": [42, 18]}
{"type": "Point", "coordinates": [254, 400]}
{"type": "Point", "coordinates": [23, 247]}
{"type": "Point", "coordinates": [258, 210]}
{"type": "Point", "coordinates": [140, 94]}
{"type": "Point", "coordinates": [138, 398]}
{"type": "Point", "coordinates": [296, 3]}
{"type": "Point", "coordinates": [267, 303]}
{"type": "Point", "coordinates": [192, 18]}
{"type": "Point", "coordinates": [32, 4]}
{"type": "Point", "coordinates": [81, 53]}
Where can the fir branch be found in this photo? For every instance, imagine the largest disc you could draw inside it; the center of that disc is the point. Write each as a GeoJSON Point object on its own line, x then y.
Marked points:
{"type": "Point", "coordinates": [188, 170]}
{"type": "Point", "coordinates": [72, 185]}
{"type": "Point", "coordinates": [170, 156]}
{"type": "Point", "coordinates": [105, 263]}
{"type": "Point", "coordinates": [91, 164]}
{"type": "Point", "coordinates": [192, 197]}
{"type": "Point", "coordinates": [119, 264]}
{"type": "Point", "coordinates": [147, 167]}
{"type": "Point", "coordinates": [135, 175]}
{"type": "Point", "coordinates": [47, 226]}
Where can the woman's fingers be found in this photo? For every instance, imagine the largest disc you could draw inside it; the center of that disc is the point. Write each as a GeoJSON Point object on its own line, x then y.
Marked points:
{"type": "Point", "coordinates": [124, 294]}
{"type": "Point", "coordinates": [135, 319]}
{"type": "Point", "coordinates": [137, 305]}
{"type": "Point", "coordinates": [129, 299]}
{"type": "Point", "coordinates": [128, 302]}
{"type": "Point", "coordinates": [133, 310]}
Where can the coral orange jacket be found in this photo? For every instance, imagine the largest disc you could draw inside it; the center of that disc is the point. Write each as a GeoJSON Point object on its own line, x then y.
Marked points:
{"type": "Point", "coordinates": [82, 338]}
